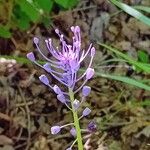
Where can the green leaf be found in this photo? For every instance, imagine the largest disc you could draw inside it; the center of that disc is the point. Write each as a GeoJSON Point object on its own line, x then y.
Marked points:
{"type": "Point", "coordinates": [67, 3]}
{"type": "Point", "coordinates": [133, 12]}
{"type": "Point", "coordinates": [143, 8]}
{"type": "Point", "coordinates": [125, 80]}
{"type": "Point", "coordinates": [46, 5]}
{"type": "Point", "coordinates": [143, 56]}
{"type": "Point", "coordinates": [29, 8]}
{"type": "Point", "coordinates": [4, 32]}
{"type": "Point", "coordinates": [143, 66]}
{"type": "Point", "coordinates": [20, 18]}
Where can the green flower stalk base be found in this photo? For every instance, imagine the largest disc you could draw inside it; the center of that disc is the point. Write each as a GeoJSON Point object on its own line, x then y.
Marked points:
{"type": "Point", "coordinates": [76, 121]}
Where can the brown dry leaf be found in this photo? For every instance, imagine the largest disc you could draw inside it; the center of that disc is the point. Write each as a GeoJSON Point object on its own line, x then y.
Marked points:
{"type": "Point", "coordinates": [102, 147]}
{"type": "Point", "coordinates": [131, 128]}
{"type": "Point", "coordinates": [4, 140]}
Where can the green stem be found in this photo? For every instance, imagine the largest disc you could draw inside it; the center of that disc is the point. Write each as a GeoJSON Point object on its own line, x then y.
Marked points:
{"type": "Point", "coordinates": [76, 121]}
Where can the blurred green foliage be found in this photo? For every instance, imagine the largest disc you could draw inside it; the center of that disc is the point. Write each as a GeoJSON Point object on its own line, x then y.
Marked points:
{"type": "Point", "coordinates": [20, 14]}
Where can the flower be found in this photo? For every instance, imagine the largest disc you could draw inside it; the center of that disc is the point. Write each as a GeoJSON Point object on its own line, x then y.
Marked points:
{"type": "Point", "coordinates": [86, 112]}
{"type": "Point", "coordinates": [57, 90]}
{"type": "Point", "coordinates": [92, 126]}
{"type": "Point", "coordinates": [30, 56]}
{"type": "Point", "coordinates": [86, 91]}
{"type": "Point", "coordinates": [67, 61]}
{"type": "Point", "coordinates": [76, 104]}
{"type": "Point", "coordinates": [44, 79]}
{"type": "Point", "coordinates": [61, 98]}
{"type": "Point", "coordinates": [73, 132]}
{"type": "Point", "coordinates": [55, 129]}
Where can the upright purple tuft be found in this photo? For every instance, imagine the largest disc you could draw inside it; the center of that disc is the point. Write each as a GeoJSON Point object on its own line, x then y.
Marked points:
{"type": "Point", "coordinates": [66, 62]}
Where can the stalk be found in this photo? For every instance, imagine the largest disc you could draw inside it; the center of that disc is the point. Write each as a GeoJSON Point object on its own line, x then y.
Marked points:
{"type": "Point", "coordinates": [76, 121]}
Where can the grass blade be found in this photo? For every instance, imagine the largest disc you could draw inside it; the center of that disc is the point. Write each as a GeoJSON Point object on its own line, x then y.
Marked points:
{"type": "Point", "coordinates": [143, 66]}
{"type": "Point", "coordinates": [131, 11]}
{"type": "Point", "coordinates": [124, 79]}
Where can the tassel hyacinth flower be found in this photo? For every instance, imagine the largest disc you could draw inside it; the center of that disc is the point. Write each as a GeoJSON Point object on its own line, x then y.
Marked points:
{"type": "Point", "coordinates": [64, 67]}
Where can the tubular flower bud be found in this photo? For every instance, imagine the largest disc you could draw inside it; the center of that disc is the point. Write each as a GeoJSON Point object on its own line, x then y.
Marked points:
{"type": "Point", "coordinates": [47, 67]}
{"type": "Point", "coordinates": [57, 90]}
{"type": "Point", "coordinates": [30, 56]}
{"type": "Point", "coordinates": [89, 73]}
{"type": "Point", "coordinates": [61, 98]}
{"type": "Point", "coordinates": [44, 79]}
{"type": "Point", "coordinates": [55, 129]}
{"type": "Point", "coordinates": [92, 51]}
{"type": "Point", "coordinates": [86, 91]}
{"type": "Point", "coordinates": [86, 111]}
{"type": "Point", "coordinates": [73, 132]}
{"type": "Point", "coordinates": [35, 40]}
{"type": "Point", "coordinates": [76, 104]}
{"type": "Point", "coordinates": [92, 127]}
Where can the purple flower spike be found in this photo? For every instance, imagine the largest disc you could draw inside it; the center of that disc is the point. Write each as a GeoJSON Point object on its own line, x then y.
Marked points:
{"type": "Point", "coordinates": [61, 98]}
{"type": "Point", "coordinates": [66, 62]}
{"type": "Point", "coordinates": [76, 104]}
{"type": "Point", "coordinates": [47, 67]}
{"type": "Point", "coordinates": [73, 132]}
{"type": "Point", "coordinates": [55, 129]}
{"type": "Point", "coordinates": [44, 79]}
{"type": "Point", "coordinates": [86, 111]}
{"type": "Point", "coordinates": [86, 91]}
{"type": "Point", "coordinates": [57, 90]}
{"type": "Point", "coordinates": [92, 127]}
{"type": "Point", "coordinates": [89, 73]}
{"type": "Point", "coordinates": [30, 56]}
{"type": "Point", "coordinates": [36, 40]}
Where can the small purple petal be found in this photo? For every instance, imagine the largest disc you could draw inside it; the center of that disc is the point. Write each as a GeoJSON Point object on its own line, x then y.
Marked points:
{"type": "Point", "coordinates": [31, 56]}
{"type": "Point", "coordinates": [86, 90]}
{"type": "Point", "coordinates": [61, 98]}
{"type": "Point", "coordinates": [89, 73]}
{"type": "Point", "coordinates": [44, 79]}
{"type": "Point", "coordinates": [72, 28]}
{"type": "Point", "coordinates": [36, 40]}
{"type": "Point", "coordinates": [92, 127]}
{"type": "Point", "coordinates": [77, 29]}
{"type": "Point", "coordinates": [55, 129]}
{"type": "Point", "coordinates": [73, 132]}
{"type": "Point", "coordinates": [57, 31]}
{"type": "Point", "coordinates": [47, 67]}
{"type": "Point", "coordinates": [69, 148]}
{"type": "Point", "coordinates": [86, 111]}
{"type": "Point", "coordinates": [76, 104]}
{"type": "Point", "coordinates": [92, 51]}
{"type": "Point", "coordinates": [57, 90]}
